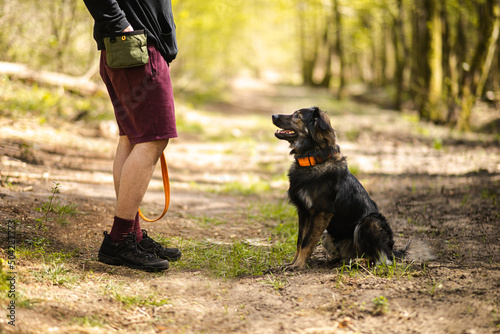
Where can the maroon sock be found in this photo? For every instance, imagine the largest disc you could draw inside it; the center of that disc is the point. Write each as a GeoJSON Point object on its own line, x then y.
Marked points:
{"type": "Point", "coordinates": [137, 228]}
{"type": "Point", "coordinates": [121, 228]}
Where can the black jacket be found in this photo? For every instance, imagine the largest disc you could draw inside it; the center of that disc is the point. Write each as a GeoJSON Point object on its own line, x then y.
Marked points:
{"type": "Point", "coordinates": [155, 16]}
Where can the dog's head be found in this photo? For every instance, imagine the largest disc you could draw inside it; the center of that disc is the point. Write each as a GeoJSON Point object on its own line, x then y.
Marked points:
{"type": "Point", "coordinates": [306, 129]}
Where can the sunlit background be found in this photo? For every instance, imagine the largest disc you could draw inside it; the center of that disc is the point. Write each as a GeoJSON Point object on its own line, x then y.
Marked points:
{"type": "Point", "coordinates": [437, 57]}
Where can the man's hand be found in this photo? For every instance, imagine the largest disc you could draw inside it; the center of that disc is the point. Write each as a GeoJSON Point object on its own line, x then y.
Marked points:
{"type": "Point", "coordinates": [129, 28]}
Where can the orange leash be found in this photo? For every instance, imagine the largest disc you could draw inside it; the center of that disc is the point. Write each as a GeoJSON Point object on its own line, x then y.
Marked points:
{"type": "Point", "coordinates": [166, 188]}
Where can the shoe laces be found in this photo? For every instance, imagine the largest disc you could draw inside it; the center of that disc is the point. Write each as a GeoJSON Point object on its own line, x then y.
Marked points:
{"type": "Point", "coordinates": [139, 248]}
{"type": "Point", "coordinates": [150, 241]}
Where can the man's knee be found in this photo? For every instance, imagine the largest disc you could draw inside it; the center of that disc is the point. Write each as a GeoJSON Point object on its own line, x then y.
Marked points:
{"type": "Point", "coordinates": [160, 145]}
{"type": "Point", "coordinates": [155, 147]}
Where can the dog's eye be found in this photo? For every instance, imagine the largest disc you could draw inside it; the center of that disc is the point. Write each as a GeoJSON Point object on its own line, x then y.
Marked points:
{"type": "Point", "coordinates": [296, 116]}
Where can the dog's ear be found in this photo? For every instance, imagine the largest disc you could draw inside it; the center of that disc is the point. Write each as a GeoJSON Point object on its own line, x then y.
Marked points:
{"type": "Point", "coordinates": [321, 120]}
{"type": "Point", "coordinates": [322, 131]}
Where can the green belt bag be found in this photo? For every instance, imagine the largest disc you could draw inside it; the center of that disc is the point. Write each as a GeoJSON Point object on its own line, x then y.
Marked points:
{"type": "Point", "coordinates": [127, 49]}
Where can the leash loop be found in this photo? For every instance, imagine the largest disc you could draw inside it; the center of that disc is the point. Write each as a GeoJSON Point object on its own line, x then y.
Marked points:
{"type": "Point", "coordinates": [166, 188]}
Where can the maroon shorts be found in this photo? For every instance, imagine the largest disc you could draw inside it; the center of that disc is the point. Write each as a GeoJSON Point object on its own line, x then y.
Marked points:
{"type": "Point", "coordinates": [142, 98]}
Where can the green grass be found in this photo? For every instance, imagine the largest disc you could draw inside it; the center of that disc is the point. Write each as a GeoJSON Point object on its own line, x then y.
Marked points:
{"type": "Point", "coordinates": [189, 127]}
{"type": "Point", "coordinates": [46, 104]}
{"type": "Point", "coordinates": [33, 245]}
{"type": "Point", "coordinates": [57, 274]}
{"type": "Point", "coordinates": [352, 135]}
{"type": "Point", "coordinates": [60, 257]}
{"type": "Point", "coordinates": [136, 300]}
{"type": "Point", "coordinates": [54, 206]}
{"type": "Point", "coordinates": [37, 248]}
{"type": "Point", "coordinates": [276, 282]}
{"type": "Point", "coordinates": [354, 169]}
{"type": "Point", "coordinates": [437, 143]}
{"type": "Point", "coordinates": [266, 212]}
{"type": "Point", "coordinates": [234, 259]}
{"type": "Point", "coordinates": [88, 321]}
{"type": "Point", "coordinates": [254, 186]}
{"type": "Point", "coordinates": [394, 270]}
{"type": "Point", "coordinates": [380, 305]}
{"type": "Point", "coordinates": [4, 279]}
{"type": "Point", "coordinates": [434, 287]}
{"type": "Point", "coordinates": [201, 221]}
{"type": "Point", "coordinates": [360, 266]}
{"type": "Point", "coordinates": [117, 290]}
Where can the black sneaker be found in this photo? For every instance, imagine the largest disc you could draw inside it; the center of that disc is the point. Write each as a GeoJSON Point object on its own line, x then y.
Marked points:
{"type": "Point", "coordinates": [171, 254]}
{"type": "Point", "coordinates": [130, 254]}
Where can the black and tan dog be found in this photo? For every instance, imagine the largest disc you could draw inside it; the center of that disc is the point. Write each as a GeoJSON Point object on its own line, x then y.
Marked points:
{"type": "Point", "coordinates": [331, 203]}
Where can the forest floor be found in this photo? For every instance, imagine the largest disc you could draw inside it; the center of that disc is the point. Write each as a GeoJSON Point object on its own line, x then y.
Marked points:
{"type": "Point", "coordinates": [227, 169]}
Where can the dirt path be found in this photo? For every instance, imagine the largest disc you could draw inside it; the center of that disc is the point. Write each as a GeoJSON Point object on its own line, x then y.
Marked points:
{"type": "Point", "coordinates": [432, 184]}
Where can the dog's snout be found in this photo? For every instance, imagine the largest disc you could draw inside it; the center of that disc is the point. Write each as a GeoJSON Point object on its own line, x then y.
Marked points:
{"type": "Point", "coordinates": [276, 119]}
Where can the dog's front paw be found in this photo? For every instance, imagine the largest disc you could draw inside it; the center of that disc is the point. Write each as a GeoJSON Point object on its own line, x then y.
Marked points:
{"type": "Point", "coordinates": [294, 266]}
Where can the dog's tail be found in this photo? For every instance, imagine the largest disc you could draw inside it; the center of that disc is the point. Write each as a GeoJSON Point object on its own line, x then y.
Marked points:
{"type": "Point", "coordinates": [414, 250]}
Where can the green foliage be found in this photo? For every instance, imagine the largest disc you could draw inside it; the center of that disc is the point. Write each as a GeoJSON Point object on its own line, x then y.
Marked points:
{"type": "Point", "coordinates": [231, 37]}
{"type": "Point", "coordinates": [352, 268]}
{"type": "Point", "coordinates": [354, 169]}
{"type": "Point", "coordinates": [233, 259]}
{"type": "Point", "coordinates": [380, 305]}
{"type": "Point", "coordinates": [277, 40]}
{"type": "Point", "coordinates": [241, 257]}
{"type": "Point", "coordinates": [4, 280]}
{"type": "Point", "coordinates": [117, 291]}
{"type": "Point", "coordinates": [434, 287]}
{"type": "Point", "coordinates": [361, 266]}
{"type": "Point", "coordinates": [189, 127]}
{"type": "Point", "coordinates": [281, 211]}
{"type": "Point", "coordinates": [142, 300]}
{"type": "Point", "coordinates": [88, 321]}
{"type": "Point", "coordinates": [394, 270]}
{"type": "Point", "coordinates": [54, 206]}
{"type": "Point", "coordinates": [438, 144]}
{"type": "Point", "coordinates": [36, 242]}
{"type": "Point", "coordinates": [57, 274]}
{"type": "Point", "coordinates": [20, 100]}
{"type": "Point", "coordinates": [254, 186]}
{"type": "Point", "coordinates": [277, 283]}
{"type": "Point", "coordinates": [352, 135]}
{"type": "Point", "coordinates": [62, 32]}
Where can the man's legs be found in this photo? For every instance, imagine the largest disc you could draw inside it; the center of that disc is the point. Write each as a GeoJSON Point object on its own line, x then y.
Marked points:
{"type": "Point", "coordinates": [132, 171]}
{"type": "Point", "coordinates": [151, 118]}
{"type": "Point", "coordinates": [123, 150]}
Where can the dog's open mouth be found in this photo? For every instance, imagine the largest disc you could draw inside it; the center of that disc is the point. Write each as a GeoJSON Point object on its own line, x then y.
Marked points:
{"type": "Point", "coordinates": [284, 134]}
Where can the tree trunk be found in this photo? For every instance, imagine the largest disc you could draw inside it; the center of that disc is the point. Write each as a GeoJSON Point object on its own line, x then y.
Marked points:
{"type": "Point", "coordinates": [433, 108]}
{"type": "Point", "coordinates": [419, 70]}
{"type": "Point", "coordinates": [81, 85]}
{"type": "Point", "coordinates": [339, 47]}
{"type": "Point", "coordinates": [330, 47]}
{"type": "Point", "coordinates": [308, 46]}
{"type": "Point", "coordinates": [481, 61]}
{"type": "Point", "coordinates": [491, 51]}
{"type": "Point", "coordinates": [457, 57]}
{"type": "Point", "coordinates": [400, 54]}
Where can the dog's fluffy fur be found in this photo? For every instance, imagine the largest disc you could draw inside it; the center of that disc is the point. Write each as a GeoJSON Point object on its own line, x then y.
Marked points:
{"type": "Point", "coordinates": [332, 204]}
